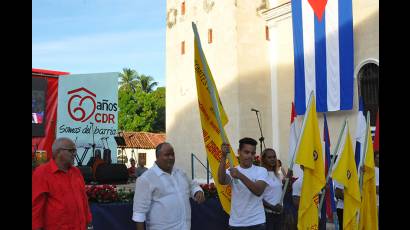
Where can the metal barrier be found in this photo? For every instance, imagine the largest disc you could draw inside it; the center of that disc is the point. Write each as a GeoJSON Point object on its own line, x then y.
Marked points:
{"type": "Point", "coordinates": [193, 168]}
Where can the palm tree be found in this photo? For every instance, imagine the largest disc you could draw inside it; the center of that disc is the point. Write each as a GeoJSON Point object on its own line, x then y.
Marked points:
{"type": "Point", "coordinates": [145, 83]}
{"type": "Point", "coordinates": [128, 80]}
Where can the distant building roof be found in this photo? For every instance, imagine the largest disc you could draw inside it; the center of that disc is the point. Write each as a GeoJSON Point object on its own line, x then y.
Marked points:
{"type": "Point", "coordinates": [142, 140]}
{"type": "Point", "coordinates": [47, 72]}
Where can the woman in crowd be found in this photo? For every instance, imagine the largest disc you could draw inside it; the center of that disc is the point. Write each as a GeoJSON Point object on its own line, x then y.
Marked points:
{"type": "Point", "coordinates": [273, 192]}
{"type": "Point", "coordinates": [277, 216]}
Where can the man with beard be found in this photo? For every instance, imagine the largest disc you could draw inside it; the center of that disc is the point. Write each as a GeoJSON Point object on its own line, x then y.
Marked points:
{"type": "Point", "coordinates": [161, 197]}
{"type": "Point", "coordinates": [58, 198]}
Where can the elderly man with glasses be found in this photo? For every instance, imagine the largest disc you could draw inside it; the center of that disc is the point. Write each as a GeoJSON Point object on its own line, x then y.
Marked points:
{"type": "Point", "coordinates": [59, 200]}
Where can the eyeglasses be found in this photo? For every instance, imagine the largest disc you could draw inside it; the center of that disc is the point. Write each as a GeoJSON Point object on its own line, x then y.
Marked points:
{"type": "Point", "coordinates": [72, 151]}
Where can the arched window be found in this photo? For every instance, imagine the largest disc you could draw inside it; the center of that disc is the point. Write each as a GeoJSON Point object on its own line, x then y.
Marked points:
{"type": "Point", "coordinates": [369, 89]}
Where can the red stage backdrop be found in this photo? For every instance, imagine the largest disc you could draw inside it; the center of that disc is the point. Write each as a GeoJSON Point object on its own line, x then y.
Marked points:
{"type": "Point", "coordinates": [44, 143]}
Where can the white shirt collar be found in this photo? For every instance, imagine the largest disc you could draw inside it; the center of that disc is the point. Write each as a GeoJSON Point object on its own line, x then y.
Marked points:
{"type": "Point", "coordinates": [159, 171]}
{"type": "Point", "coordinates": [239, 166]}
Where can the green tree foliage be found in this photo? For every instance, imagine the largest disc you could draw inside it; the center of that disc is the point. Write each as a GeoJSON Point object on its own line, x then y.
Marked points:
{"type": "Point", "coordinates": [159, 95]}
{"type": "Point", "coordinates": [145, 83]}
{"type": "Point", "coordinates": [141, 108]}
{"type": "Point", "coordinates": [128, 79]}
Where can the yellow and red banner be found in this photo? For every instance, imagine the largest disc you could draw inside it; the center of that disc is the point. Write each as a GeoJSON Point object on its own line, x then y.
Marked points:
{"type": "Point", "coordinates": [345, 172]}
{"type": "Point", "coordinates": [309, 154]}
{"type": "Point", "coordinates": [209, 121]}
{"type": "Point", "coordinates": [368, 207]}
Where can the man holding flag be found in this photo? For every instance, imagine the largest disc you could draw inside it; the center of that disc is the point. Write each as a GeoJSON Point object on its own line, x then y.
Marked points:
{"type": "Point", "coordinates": [247, 210]}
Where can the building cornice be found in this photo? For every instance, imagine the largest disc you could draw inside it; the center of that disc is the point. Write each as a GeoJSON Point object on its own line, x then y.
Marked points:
{"type": "Point", "coordinates": [278, 12]}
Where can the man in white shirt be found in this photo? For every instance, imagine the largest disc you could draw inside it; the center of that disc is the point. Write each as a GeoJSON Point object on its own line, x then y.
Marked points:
{"type": "Point", "coordinates": [162, 194]}
{"type": "Point", "coordinates": [247, 210]}
{"type": "Point", "coordinates": [339, 194]}
{"type": "Point", "coordinates": [297, 189]}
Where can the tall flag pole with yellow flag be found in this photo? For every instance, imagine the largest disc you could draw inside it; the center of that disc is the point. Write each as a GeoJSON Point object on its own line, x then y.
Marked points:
{"type": "Point", "coordinates": [345, 172]}
{"type": "Point", "coordinates": [368, 208]}
{"type": "Point", "coordinates": [309, 154]}
{"type": "Point", "coordinates": [213, 120]}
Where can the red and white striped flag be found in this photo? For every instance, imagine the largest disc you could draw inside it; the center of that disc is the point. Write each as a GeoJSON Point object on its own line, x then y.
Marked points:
{"type": "Point", "coordinates": [293, 139]}
{"type": "Point", "coordinates": [376, 136]}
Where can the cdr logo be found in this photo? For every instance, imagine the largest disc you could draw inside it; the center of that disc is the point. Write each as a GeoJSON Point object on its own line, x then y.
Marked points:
{"type": "Point", "coordinates": [81, 108]}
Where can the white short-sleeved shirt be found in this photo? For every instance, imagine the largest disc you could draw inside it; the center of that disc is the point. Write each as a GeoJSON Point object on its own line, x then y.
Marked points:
{"type": "Point", "coordinates": [280, 173]}
{"type": "Point", "coordinates": [247, 208]}
{"type": "Point", "coordinates": [297, 186]}
{"type": "Point", "coordinates": [162, 199]}
{"type": "Point", "coordinates": [376, 172]}
{"type": "Point", "coordinates": [273, 191]}
{"type": "Point", "coordinates": [339, 203]}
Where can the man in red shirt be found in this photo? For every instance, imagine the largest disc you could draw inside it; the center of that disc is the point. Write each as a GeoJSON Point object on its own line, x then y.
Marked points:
{"type": "Point", "coordinates": [59, 200]}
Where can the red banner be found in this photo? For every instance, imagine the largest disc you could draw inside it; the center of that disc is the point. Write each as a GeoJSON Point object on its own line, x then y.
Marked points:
{"type": "Point", "coordinates": [45, 143]}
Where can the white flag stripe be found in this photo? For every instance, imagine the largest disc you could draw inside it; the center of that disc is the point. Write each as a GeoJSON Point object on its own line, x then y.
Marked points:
{"type": "Point", "coordinates": [309, 48]}
{"type": "Point", "coordinates": [293, 138]}
{"type": "Point", "coordinates": [360, 133]}
{"type": "Point", "coordinates": [332, 55]}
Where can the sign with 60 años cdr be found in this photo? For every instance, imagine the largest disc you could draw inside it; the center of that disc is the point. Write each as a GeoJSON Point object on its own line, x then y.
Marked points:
{"type": "Point", "coordinates": [88, 112]}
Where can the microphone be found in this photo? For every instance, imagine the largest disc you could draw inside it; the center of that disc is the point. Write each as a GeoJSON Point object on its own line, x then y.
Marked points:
{"type": "Point", "coordinates": [255, 110]}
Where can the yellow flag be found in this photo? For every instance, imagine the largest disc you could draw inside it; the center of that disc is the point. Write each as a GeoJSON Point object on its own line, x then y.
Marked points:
{"type": "Point", "coordinates": [309, 154]}
{"type": "Point", "coordinates": [345, 172]}
{"type": "Point", "coordinates": [210, 130]}
{"type": "Point", "coordinates": [368, 209]}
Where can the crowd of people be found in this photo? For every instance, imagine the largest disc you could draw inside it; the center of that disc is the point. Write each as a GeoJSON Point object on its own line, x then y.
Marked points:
{"type": "Point", "coordinates": [162, 192]}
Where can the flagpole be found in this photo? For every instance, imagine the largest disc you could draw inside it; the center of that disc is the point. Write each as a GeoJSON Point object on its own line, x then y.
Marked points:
{"type": "Point", "coordinates": [212, 93]}
{"type": "Point", "coordinates": [297, 146]}
{"type": "Point", "coordinates": [364, 151]}
{"type": "Point", "coordinates": [329, 172]}
{"type": "Point", "coordinates": [361, 163]}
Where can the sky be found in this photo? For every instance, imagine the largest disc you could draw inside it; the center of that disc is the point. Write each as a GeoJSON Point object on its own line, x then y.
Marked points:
{"type": "Point", "coordinates": [96, 36]}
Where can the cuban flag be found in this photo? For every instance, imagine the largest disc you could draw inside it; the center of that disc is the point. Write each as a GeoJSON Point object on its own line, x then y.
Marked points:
{"type": "Point", "coordinates": [360, 134]}
{"type": "Point", "coordinates": [295, 128]}
{"type": "Point", "coordinates": [323, 54]}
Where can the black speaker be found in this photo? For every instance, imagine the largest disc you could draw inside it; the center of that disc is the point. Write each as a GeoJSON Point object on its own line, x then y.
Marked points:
{"type": "Point", "coordinates": [120, 140]}
{"type": "Point", "coordinates": [87, 173]}
{"type": "Point", "coordinates": [112, 174]}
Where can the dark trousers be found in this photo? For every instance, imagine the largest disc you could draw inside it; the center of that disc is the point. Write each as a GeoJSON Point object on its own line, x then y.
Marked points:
{"type": "Point", "coordinates": [340, 218]}
{"type": "Point", "coordinates": [273, 221]}
{"type": "Point", "coordinates": [253, 227]}
{"type": "Point", "coordinates": [322, 223]}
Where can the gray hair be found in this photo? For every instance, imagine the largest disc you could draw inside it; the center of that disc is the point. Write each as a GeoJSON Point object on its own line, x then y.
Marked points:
{"type": "Point", "coordinates": [57, 144]}
{"type": "Point", "coordinates": [159, 147]}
